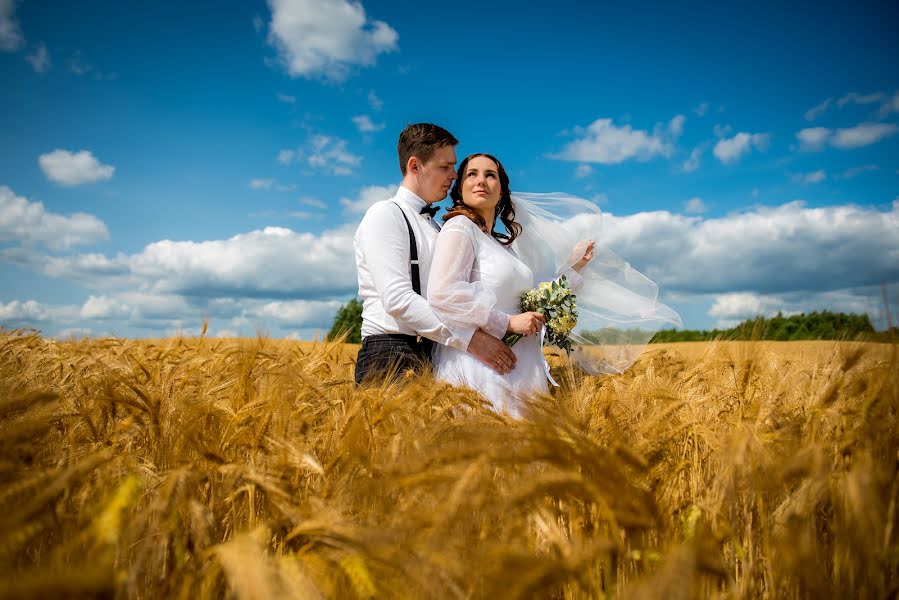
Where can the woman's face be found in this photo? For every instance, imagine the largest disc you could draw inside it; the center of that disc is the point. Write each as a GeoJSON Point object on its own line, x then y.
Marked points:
{"type": "Point", "coordinates": [481, 188]}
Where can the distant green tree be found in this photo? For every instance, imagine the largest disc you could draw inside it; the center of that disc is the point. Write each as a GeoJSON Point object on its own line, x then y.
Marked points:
{"type": "Point", "coordinates": [823, 325]}
{"type": "Point", "coordinates": [348, 319]}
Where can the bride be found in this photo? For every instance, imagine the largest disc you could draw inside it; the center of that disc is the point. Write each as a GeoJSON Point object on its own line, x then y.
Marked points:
{"type": "Point", "coordinates": [478, 275]}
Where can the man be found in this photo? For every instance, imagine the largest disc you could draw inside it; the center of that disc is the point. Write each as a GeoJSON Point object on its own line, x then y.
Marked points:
{"type": "Point", "coordinates": [398, 326]}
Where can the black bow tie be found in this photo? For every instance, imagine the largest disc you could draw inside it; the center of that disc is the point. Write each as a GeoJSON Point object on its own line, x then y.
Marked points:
{"type": "Point", "coordinates": [429, 209]}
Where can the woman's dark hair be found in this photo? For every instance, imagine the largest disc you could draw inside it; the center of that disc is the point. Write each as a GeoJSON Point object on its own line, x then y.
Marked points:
{"type": "Point", "coordinates": [504, 209]}
{"type": "Point", "coordinates": [422, 140]}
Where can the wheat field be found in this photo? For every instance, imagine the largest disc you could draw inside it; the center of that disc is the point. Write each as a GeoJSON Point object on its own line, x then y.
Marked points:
{"type": "Point", "coordinates": [254, 468]}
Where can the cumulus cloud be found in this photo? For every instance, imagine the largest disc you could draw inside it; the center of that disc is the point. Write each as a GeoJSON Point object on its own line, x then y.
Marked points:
{"type": "Point", "coordinates": [313, 202]}
{"type": "Point", "coordinates": [813, 177]}
{"type": "Point", "coordinates": [261, 184]}
{"type": "Point", "coordinates": [692, 163]}
{"type": "Point", "coordinates": [887, 103]}
{"type": "Point", "coordinates": [330, 155]}
{"type": "Point", "coordinates": [730, 150]}
{"type": "Point", "coordinates": [818, 110]}
{"type": "Point", "coordinates": [368, 196]}
{"type": "Point", "coordinates": [40, 59]}
{"type": "Point", "coordinates": [323, 153]}
{"type": "Point", "coordinates": [11, 38]}
{"type": "Point", "coordinates": [856, 98]}
{"type": "Point", "coordinates": [730, 309]}
{"type": "Point", "coordinates": [701, 109]}
{"type": "Point", "coordinates": [286, 156]}
{"type": "Point", "coordinates": [813, 138]}
{"type": "Point", "coordinates": [74, 168]}
{"type": "Point", "coordinates": [856, 171]}
{"type": "Point", "coordinates": [890, 105]}
{"type": "Point", "coordinates": [325, 38]}
{"type": "Point", "coordinates": [274, 262]}
{"type": "Point", "coordinates": [374, 101]}
{"type": "Point", "coordinates": [365, 125]}
{"type": "Point", "coordinates": [604, 142]}
{"type": "Point", "coordinates": [296, 313]}
{"type": "Point", "coordinates": [30, 223]}
{"type": "Point", "coordinates": [30, 313]}
{"type": "Point", "coordinates": [583, 171]}
{"type": "Point", "coordinates": [765, 250]}
{"type": "Point", "coordinates": [695, 206]}
{"type": "Point", "coordinates": [863, 134]}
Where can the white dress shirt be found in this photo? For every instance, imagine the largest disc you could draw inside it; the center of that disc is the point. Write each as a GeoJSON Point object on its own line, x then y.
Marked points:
{"type": "Point", "coordinates": [381, 245]}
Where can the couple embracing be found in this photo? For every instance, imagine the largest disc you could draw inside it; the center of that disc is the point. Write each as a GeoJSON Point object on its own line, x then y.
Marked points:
{"type": "Point", "coordinates": [447, 296]}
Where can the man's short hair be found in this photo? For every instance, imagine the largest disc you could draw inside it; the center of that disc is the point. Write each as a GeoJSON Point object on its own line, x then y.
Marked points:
{"type": "Point", "coordinates": [421, 140]}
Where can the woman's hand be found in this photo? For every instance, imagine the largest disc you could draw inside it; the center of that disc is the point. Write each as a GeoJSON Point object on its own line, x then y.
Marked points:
{"type": "Point", "coordinates": [585, 250]}
{"type": "Point", "coordinates": [526, 323]}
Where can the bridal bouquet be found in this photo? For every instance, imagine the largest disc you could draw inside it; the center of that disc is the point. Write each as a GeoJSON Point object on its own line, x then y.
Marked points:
{"type": "Point", "coordinates": [558, 304]}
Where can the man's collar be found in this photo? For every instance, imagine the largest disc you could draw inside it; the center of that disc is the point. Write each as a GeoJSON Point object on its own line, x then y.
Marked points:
{"type": "Point", "coordinates": [411, 198]}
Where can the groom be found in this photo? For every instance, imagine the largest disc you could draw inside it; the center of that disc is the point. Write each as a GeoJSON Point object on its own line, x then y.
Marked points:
{"type": "Point", "coordinates": [393, 259]}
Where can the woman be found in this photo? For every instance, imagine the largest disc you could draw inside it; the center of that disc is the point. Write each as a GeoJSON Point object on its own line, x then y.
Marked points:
{"type": "Point", "coordinates": [477, 279]}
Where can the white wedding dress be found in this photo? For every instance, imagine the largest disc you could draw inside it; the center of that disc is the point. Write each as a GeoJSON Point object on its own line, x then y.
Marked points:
{"type": "Point", "coordinates": [477, 282]}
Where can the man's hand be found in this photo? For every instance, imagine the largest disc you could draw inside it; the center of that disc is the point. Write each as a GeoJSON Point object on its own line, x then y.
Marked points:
{"type": "Point", "coordinates": [492, 352]}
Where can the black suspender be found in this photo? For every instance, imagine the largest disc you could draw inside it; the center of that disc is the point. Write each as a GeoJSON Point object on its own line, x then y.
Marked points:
{"type": "Point", "coordinates": [413, 253]}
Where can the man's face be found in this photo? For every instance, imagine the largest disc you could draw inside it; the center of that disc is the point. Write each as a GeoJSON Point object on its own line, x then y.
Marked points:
{"type": "Point", "coordinates": [436, 176]}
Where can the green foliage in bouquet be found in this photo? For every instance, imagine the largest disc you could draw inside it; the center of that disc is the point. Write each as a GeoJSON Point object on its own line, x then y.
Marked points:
{"type": "Point", "coordinates": [554, 300]}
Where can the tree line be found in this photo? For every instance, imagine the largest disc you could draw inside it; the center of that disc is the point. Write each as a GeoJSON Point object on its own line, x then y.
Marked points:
{"type": "Point", "coordinates": [824, 325]}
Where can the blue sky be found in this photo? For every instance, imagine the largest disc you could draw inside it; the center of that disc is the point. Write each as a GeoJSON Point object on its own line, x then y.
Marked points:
{"type": "Point", "coordinates": [165, 162]}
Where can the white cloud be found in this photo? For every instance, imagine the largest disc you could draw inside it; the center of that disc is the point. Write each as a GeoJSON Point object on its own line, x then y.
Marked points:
{"type": "Point", "coordinates": [856, 171]}
{"type": "Point", "coordinates": [324, 153]}
{"type": "Point", "coordinates": [40, 59]}
{"type": "Point", "coordinates": [368, 196]}
{"type": "Point", "coordinates": [326, 37]}
{"type": "Point", "coordinates": [692, 163]}
{"type": "Point", "coordinates": [863, 134]}
{"type": "Point", "coordinates": [285, 157]}
{"type": "Point", "coordinates": [365, 125]}
{"type": "Point", "coordinates": [818, 110]}
{"type": "Point", "coordinates": [296, 313]}
{"type": "Point", "coordinates": [813, 177]}
{"type": "Point", "coordinates": [330, 155]}
{"type": "Point", "coordinates": [287, 98]}
{"type": "Point", "coordinates": [74, 168]}
{"type": "Point", "coordinates": [313, 202]}
{"type": "Point", "coordinates": [603, 142]}
{"type": "Point", "coordinates": [733, 308]}
{"type": "Point", "coordinates": [766, 250]}
{"type": "Point", "coordinates": [856, 98]}
{"type": "Point", "coordinates": [676, 126]}
{"type": "Point", "coordinates": [582, 171]}
{"type": "Point", "coordinates": [374, 101]}
{"type": "Point", "coordinates": [695, 206]}
{"type": "Point", "coordinates": [730, 150]}
{"type": "Point", "coordinates": [29, 313]}
{"type": "Point", "coordinates": [11, 38]}
{"type": "Point", "coordinates": [813, 138]}
{"type": "Point", "coordinates": [272, 262]}
{"type": "Point", "coordinates": [702, 109]}
{"type": "Point", "coordinates": [30, 223]}
{"type": "Point", "coordinates": [890, 105]}
{"type": "Point", "coordinates": [261, 184]}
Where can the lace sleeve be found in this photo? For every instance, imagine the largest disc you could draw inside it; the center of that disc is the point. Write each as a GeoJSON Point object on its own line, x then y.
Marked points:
{"type": "Point", "coordinates": [454, 298]}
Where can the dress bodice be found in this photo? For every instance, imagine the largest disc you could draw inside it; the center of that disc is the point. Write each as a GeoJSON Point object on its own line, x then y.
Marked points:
{"type": "Point", "coordinates": [497, 268]}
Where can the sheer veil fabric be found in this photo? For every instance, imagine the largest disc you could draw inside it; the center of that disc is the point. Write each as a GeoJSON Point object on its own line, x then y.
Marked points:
{"type": "Point", "coordinates": [618, 307]}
